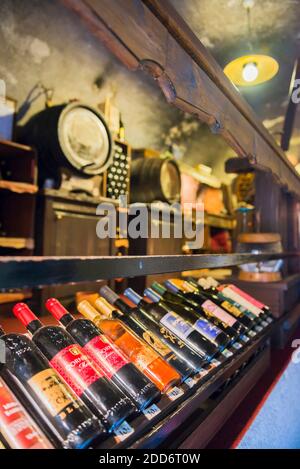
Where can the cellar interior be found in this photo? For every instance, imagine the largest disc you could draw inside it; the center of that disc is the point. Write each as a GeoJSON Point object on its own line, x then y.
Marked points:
{"type": "Point", "coordinates": [149, 224]}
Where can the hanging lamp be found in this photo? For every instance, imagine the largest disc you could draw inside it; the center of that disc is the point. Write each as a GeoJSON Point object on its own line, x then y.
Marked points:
{"type": "Point", "coordinates": [251, 69]}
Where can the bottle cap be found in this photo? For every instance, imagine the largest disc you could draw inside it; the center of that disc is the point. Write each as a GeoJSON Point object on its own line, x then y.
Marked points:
{"type": "Point", "coordinates": [109, 294]}
{"type": "Point", "coordinates": [160, 289]}
{"type": "Point", "coordinates": [171, 286]}
{"type": "Point", "coordinates": [133, 296]}
{"type": "Point", "coordinates": [87, 310]}
{"type": "Point", "coordinates": [104, 307]}
{"type": "Point", "coordinates": [56, 308]}
{"type": "Point", "coordinates": [24, 314]}
{"type": "Point", "coordinates": [178, 282]}
{"type": "Point", "coordinates": [189, 287]}
{"type": "Point", "coordinates": [152, 295]}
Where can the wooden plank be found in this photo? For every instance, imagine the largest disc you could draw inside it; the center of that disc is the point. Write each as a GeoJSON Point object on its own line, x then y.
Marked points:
{"type": "Point", "coordinates": [18, 187]}
{"type": "Point", "coordinates": [143, 41]}
{"type": "Point", "coordinates": [30, 272]}
{"type": "Point", "coordinates": [16, 243]}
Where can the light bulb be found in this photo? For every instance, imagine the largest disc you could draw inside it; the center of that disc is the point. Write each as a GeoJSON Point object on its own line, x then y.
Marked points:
{"type": "Point", "coordinates": [250, 72]}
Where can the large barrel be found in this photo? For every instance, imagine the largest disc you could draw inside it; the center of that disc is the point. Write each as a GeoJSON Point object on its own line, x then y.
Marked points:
{"type": "Point", "coordinates": [73, 136]}
{"type": "Point", "coordinates": [154, 179]}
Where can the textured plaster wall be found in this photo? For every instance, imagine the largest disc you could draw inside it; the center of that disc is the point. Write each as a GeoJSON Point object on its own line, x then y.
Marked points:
{"type": "Point", "coordinates": [42, 41]}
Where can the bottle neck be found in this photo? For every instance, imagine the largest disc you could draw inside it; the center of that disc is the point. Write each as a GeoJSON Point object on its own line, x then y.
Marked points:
{"type": "Point", "coordinates": [66, 319]}
{"type": "Point", "coordinates": [124, 307]}
{"type": "Point", "coordinates": [34, 326]}
{"type": "Point", "coordinates": [158, 288]}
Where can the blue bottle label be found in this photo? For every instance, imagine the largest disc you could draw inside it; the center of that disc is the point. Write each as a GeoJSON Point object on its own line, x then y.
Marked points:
{"type": "Point", "coordinates": [205, 328]}
{"type": "Point", "coordinates": [177, 325]}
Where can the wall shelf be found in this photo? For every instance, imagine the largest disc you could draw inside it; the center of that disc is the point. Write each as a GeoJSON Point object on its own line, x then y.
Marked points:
{"type": "Point", "coordinates": [30, 272]}
{"type": "Point", "coordinates": [16, 243]}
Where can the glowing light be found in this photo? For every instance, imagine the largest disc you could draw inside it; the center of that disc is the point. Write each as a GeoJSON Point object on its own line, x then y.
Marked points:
{"type": "Point", "coordinates": [250, 72]}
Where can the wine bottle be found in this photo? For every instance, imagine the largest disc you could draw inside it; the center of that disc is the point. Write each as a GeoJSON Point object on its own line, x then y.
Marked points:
{"type": "Point", "coordinates": [114, 363]}
{"type": "Point", "coordinates": [207, 332]}
{"type": "Point", "coordinates": [210, 306]}
{"type": "Point", "coordinates": [16, 426]}
{"type": "Point", "coordinates": [233, 292]}
{"type": "Point", "coordinates": [244, 316]}
{"type": "Point", "coordinates": [141, 316]}
{"type": "Point", "coordinates": [84, 377]}
{"type": "Point", "coordinates": [144, 358]}
{"type": "Point", "coordinates": [64, 418]}
{"type": "Point", "coordinates": [168, 318]}
{"type": "Point", "coordinates": [152, 339]}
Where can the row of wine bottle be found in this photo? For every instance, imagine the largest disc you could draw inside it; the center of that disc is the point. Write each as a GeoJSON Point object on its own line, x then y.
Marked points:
{"type": "Point", "coordinates": [79, 381]}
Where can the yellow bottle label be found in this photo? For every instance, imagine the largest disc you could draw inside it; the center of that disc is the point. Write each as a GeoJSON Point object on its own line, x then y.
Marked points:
{"type": "Point", "coordinates": [156, 343]}
{"type": "Point", "coordinates": [231, 308]}
{"type": "Point", "coordinates": [53, 393]}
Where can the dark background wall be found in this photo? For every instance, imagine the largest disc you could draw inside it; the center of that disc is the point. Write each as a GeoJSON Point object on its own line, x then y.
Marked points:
{"type": "Point", "coordinates": [42, 41]}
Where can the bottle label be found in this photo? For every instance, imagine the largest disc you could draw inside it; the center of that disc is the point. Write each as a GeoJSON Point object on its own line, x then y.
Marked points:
{"type": "Point", "coordinates": [177, 325]}
{"type": "Point", "coordinates": [215, 310]}
{"type": "Point", "coordinates": [105, 355]}
{"type": "Point", "coordinates": [15, 424]}
{"type": "Point", "coordinates": [75, 368]}
{"type": "Point", "coordinates": [205, 328]}
{"type": "Point", "coordinates": [234, 295]}
{"type": "Point", "coordinates": [156, 343]}
{"type": "Point", "coordinates": [171, 337]}
{"type": "Point", "coordinates": [248, 297]}
{"type": "Point", "coordinates": [144, 358]}
{"type": "Point", "coordinates": [231, 308]}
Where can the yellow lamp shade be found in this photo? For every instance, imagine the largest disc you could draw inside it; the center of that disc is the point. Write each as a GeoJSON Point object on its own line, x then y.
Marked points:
{"type": "Point", "coordinates": [250, 70]}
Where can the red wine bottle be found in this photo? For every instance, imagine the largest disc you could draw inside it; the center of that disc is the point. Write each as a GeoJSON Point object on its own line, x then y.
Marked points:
{"type": "Point", "coordinates": [145, 322]}
{"type": "Point", "coordinates": [84, 377]}
{"type": "Point", "coordinates": [66, 421]}
{"type": "Point", "coordinates": [204, 333]}
{"type": "Point", "coordinates": [16, 426]}
{"type": "Point", "coordinates": [152, 339]}
{"type": "Point", "coordinates": [168, 318]}
{"type": "Point", "coordinates": [113, 362]}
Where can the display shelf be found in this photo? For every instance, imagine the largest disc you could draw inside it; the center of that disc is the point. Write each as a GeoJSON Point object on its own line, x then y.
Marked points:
{"type": "Point", "coordinates": [18, 187]}
{"type": "Point", "coordinates": [16, 243]}
{"type": "Point", "coordinates": [23, 272]}
{"type": "Point", "coordinates": [174, 414]}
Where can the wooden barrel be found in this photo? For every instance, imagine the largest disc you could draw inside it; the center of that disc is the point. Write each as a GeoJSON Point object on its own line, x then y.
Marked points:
{"type": "Point", "coordinates": [73, 136]}
{"type": "Point", "coordinates": [155, 179]}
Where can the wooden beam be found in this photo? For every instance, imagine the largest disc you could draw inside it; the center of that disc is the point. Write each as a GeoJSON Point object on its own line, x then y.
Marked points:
{"type": "Point", "coordinates": [291, 110]}
{"type": "Point", "coordinates": [150, 35]}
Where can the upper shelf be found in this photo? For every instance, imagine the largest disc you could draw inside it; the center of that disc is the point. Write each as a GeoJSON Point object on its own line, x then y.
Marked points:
{"type": "Point", "coordinates": [30, 272]}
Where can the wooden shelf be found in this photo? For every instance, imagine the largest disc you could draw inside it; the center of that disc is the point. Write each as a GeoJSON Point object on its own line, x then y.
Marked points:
{"type": "Point", "coordinates": [13, 297]}
{"type": "Point", "coordinates": [8, 148]}
{"type": "Point", "coordinates": [30, 272]}
{"type": "Point", "coordinates": [16, 243]}
{"type": "Point", "coordinates": [18, 187]}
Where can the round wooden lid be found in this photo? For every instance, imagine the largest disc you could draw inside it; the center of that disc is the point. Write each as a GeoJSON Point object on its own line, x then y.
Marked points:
{"type": "Point", "coordinates": [259, 238]}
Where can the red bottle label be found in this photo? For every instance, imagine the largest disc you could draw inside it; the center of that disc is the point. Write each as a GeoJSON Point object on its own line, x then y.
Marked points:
{"type": "Point", "coordinates": [105, 355]}
{"type": "Point", "coordinates": [78, 371]}
{"type": "Point", "coordinates": [15, 425]}
{"type": "Point", "coordinates": [247, 297]}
